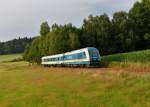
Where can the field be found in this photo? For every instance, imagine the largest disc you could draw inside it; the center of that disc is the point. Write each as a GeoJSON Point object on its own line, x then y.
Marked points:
{"type": "Point", "coordinates": [10, 58]}
{"type": "Point", "coordinates": [134, 61]}
{"type": "Point", "coordinates": [120, 83]}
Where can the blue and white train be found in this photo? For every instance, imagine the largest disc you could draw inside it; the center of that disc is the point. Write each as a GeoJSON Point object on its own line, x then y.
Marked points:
{"type": "Point", "coordinates": [83, 57]}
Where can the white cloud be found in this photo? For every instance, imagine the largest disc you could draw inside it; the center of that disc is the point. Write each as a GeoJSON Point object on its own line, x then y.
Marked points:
{"type": "Point", "coordinates": [23, 17]}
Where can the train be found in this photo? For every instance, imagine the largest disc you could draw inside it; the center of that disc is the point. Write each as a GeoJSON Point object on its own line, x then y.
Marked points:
{"type": "Point", "coordinates": [85, 57]}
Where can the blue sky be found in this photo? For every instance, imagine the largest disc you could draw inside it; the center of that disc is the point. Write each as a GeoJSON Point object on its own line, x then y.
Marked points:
{"type": "Point", "coordinates": [20, 18]}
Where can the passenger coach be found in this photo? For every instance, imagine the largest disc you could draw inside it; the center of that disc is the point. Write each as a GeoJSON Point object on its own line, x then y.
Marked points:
{"type": "Point", "coordinates": [84, 57]}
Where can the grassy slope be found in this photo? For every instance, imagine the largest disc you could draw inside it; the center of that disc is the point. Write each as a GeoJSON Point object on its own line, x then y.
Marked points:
{"type": "Point", "coordinates": [22, 85]}
{"type": "Point", "coordinates": [139, 56]}
{"type": "Point", "coordinates": [133, 61]}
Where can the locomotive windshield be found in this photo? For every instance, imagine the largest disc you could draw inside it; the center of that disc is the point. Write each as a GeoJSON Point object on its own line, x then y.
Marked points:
{"type": "Point", "coordinates": [94, 54]}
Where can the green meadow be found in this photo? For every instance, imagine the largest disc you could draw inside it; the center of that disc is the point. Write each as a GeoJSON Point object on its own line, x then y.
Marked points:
{"type": "Point", "coordinates": [25, 85]}
{"type": "Point", "coordinates": [10, 58]}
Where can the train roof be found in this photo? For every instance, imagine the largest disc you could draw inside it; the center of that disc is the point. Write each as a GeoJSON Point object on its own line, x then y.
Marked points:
{"type": "Point", "coordinates": [53, 56]}
{"type": "Point", "coordinates": [89, 48]}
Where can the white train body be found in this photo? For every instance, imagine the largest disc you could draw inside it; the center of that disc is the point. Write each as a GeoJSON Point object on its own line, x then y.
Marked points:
{"type": "Point", "coordinates": [86, 56]}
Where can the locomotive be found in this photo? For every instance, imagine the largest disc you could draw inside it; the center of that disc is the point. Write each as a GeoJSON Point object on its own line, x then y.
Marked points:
{"type": "Point", "coordinates": [83, 57]}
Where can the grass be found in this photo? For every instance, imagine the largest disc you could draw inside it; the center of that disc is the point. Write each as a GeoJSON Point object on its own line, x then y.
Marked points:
{"type": "Point", "coordinates": [34, 86]}
{"type": "Point", "coordinates": [9, 58]}
{"type": "Point", "coordinates": [133, 61]}
{"type": "Point", "coordinates": [138, 56]}
{"type": "Point", "coordinates": [22, 85]}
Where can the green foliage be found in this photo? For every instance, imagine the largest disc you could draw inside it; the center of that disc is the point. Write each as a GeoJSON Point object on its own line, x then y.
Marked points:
{"type": "Point", "coordinates": [123, 33]}
{"type": "Point", "coordinates": [97, 30]}
{"type": "Point", "coordinates": [74, 41]}
{"type": "Point", "coordinates": [14, 46]}
{"type": "Point", "coordinates": [140, 16]}
{"type": "Point", "coordinates": [34, 53]}
{"type": "Point", "coordinates": [147, 40]}
{"type": "Point", "coordinates": [59, 40]}
{"type": "Point", "coordinates": [44, 29]}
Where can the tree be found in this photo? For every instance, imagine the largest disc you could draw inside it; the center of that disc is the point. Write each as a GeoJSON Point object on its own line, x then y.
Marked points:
{"type": "Point", "coordinates": [88, 37]}
{"type": "Point", "coordinates": [74, 41]}
{"type": "Point", "coordinates": [44, 29]}
{"type": "Point", "coordinates": [122, 32]}
{"type": "Point", "coordinates": [147, 40]}
{"type": "Point", "coordinates": [33, 53]}
{"type": "Point", "coordinates": [26, 55]}
{"type": "Point", "coordinates": [97, 33]}
{"type": "Point", "coordinates": [140, 16]}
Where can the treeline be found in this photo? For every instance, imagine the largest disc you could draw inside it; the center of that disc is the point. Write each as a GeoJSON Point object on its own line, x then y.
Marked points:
{"type": "Point", "coordinates": [14, 46]}
{"type": "Point", "coordinates": [125, 32]}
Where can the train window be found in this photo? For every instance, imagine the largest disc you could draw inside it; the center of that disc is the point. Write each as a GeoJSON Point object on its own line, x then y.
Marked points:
{"type": "Point", "coordinates": [75, 56]}
{"type": "Point", "coordinates": [59, 58]}
{"type": "Point", "coordinates": [70, 57]}
{"type": "Point", "coordinates": [81, 55]}
{"type": "Point", "coordinates": [53, 59]}
{"type": "Point", "coordinates": [49, 59]}
{"type": "Point", "coordinates": [93, 53]}
{"type": "Point", "coordinates": [56, 59]}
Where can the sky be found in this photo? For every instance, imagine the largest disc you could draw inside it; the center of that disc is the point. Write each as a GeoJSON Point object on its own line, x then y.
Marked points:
{"type": "Point", "coordinates": [22, 18]}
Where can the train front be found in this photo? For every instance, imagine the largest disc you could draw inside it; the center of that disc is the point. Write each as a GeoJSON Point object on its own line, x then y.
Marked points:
{"type": "Point", "coordinates": [94, 56]}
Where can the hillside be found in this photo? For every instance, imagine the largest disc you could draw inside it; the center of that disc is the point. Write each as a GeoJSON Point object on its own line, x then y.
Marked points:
{"type": "Point", "coordinates": [14, 46]}
{"type": "Point", "coordinates": [138, 56]}
{"type": "Point", "coordinates": [138, 61]}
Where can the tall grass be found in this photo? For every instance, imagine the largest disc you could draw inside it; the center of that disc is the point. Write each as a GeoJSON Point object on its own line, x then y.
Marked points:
{"type": "Point", "coordinates": [134, 61]}
{"type": "Point", "coordinates": [34, 86]}
{"type": "Point", "coordinates": [22, 85]}
{"type": "Point", "coordinates": [139, 56]}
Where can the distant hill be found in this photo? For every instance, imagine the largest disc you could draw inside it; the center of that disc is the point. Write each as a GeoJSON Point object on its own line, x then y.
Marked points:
{"type": "Point", "coordinates": [14, 46]}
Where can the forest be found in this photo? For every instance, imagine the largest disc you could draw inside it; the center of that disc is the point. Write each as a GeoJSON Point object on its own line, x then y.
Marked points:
{"type": "Point", "coordinates": [126, 31]}
{"type": "Point", "coordinates": [14, 46]}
